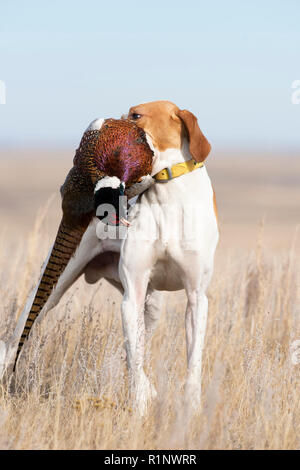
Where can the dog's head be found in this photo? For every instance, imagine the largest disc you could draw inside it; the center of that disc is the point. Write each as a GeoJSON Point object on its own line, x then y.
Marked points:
{"type": "Point", "coordinates": [168, 126]}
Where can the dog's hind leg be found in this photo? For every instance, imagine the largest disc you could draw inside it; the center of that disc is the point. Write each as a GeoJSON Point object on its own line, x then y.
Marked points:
{"type": "Point", "coordinates": [153, 310]}
{"type": "Point", "coordinates": [195, 323]}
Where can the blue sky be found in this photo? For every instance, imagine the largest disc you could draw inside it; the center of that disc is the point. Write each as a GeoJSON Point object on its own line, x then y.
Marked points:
{"type": "Point", "coordinates": [232, 63]}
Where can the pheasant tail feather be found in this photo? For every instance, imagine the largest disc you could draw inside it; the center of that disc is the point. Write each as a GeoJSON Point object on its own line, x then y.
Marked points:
{"type": "Point", "coordinates": [66, 242]}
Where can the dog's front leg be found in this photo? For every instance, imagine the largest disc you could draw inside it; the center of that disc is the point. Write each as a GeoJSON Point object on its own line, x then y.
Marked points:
{"type": "Point", "coordinates": [134, 274]}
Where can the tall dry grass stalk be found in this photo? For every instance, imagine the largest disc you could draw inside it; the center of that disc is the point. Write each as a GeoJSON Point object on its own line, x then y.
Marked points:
{"type": "Point", "coordinates": [71, 388]}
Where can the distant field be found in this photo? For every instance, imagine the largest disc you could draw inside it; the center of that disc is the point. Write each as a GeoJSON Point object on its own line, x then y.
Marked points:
{"type": "Point", "coordinates": [249, 189]}
{"type": "Point", "coordinates": [250, 385]}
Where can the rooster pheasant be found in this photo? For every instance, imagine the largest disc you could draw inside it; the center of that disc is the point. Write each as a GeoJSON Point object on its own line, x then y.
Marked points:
{"type": "Point", "coordinates": [118, 149]}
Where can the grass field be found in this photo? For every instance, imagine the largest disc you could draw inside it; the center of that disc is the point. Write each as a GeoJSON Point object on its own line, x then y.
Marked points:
{"type": "Point", "coordinates": [72, 390]}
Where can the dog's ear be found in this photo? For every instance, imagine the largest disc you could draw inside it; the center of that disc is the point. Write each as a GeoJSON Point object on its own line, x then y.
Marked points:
{"type": "Point", "coordinates": [199, 145]}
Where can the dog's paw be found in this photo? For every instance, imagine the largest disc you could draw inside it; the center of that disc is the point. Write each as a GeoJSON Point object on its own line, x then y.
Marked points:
{"type": "Point", "coordinates": [145, 393]}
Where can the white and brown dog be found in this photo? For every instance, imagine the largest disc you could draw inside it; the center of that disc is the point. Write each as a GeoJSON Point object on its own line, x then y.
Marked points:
{"type": "Point", "coordinates": [169, 245]}
{"type": "Point", "coordinates": [179, 255]}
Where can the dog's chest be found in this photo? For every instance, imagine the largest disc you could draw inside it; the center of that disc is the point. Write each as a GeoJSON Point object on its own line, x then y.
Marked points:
{"type": "Point", "coordinates": [178, 219]}
{"type": "Point", "coordinates": [176, 213]}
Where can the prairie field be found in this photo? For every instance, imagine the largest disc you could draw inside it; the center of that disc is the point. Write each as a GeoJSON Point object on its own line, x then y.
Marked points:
{"type": "Point", "coordinates": [70, 390]}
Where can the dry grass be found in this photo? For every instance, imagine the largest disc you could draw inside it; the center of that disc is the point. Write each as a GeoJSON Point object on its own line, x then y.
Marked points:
{"type": "Point", "coordinates": [251, 388]}
{"type": "Point", "coordinates": [250, 385]}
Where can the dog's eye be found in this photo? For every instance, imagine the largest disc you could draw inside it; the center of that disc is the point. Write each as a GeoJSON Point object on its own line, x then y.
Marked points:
{"type": "Point", "coordinates": [135, 116]}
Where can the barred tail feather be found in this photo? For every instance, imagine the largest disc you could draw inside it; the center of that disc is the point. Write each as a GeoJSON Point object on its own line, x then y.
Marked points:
{"type": "Point", "coordinates": [66, 242]}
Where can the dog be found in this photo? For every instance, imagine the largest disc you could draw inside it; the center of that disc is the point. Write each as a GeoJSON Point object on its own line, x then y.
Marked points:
{"type": "Point", "coordinates": [179, 257]}
{"type": "Point", "coordinates": [169, 245]}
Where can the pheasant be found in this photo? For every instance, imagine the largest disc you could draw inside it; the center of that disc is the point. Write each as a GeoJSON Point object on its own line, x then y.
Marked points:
{"type": "Point", "coordinates": [117, 152]}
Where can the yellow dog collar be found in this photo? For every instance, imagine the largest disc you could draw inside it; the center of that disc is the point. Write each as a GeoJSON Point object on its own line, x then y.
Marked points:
{"type": "Point", "coordinates": [177, 170]}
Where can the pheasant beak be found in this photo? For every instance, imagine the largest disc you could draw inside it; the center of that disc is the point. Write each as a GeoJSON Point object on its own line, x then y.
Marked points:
{"type": "Point", "coordinates": [124, 222]}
